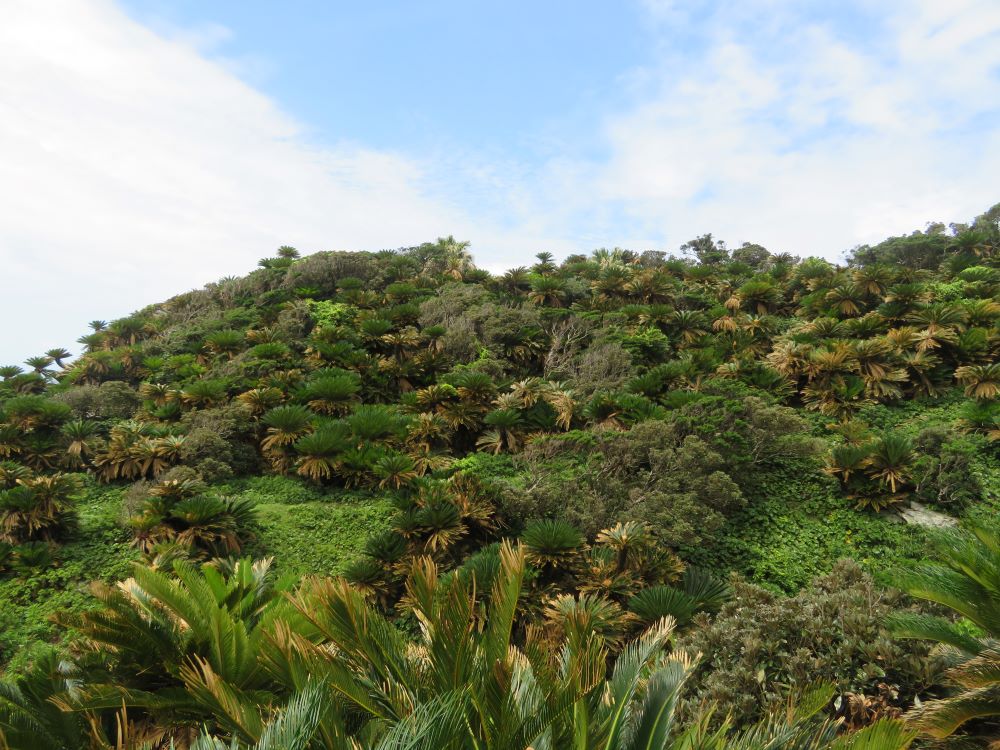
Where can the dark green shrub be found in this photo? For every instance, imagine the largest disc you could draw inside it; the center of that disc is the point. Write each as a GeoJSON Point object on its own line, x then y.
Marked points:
{"type": "Point", "coordinates": [944, 472]}
{"type": "Point", "coordinates": [763, 646]}
{"type": "Point", "coordinates": [111, 400]}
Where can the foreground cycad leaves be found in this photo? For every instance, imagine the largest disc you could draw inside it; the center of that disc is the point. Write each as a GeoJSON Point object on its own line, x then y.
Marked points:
{"type": "Point", "coordinates": [466, 684]}
{"type": "Point", "coordinates": [218, 651]}
{"type": "Point", "coordinates": [966, 579]}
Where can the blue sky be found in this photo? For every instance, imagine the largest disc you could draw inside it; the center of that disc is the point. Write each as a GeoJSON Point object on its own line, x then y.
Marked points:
{"type": "Point", "coordinates": [151, 146]}
{"type": "Point", "coordinates": [505, 77]}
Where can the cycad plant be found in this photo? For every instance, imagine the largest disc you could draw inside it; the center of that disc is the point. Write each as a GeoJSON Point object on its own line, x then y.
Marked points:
{"type": "Point", "coordinates": [285, 425]}
{"type": "Point", "coordinates": [552, 545]}
{"type": "Point", "coordinates": [395, 470]}
{"type": "Point", "coordinates": [470, 681]}
{"type": "Point", "coordinates": [891, 460]}
{"type": "Point", "coordinates": [38, 508]}
{"type": "Point", "coordinates": [80, 437]}
{"type": "Point", "coordinates": [319, 451]}
{"type": "Point", "coordinates": [202, 394]}
{"type": "Point", "coordinates": [181, 647]}
{"type": "Point", "coordinates": [547, 290]}
{"type": "Point", "coordinates": [875, 473]}
{"type": "Point", "coordinates": [504, 431]}
{"type": "Point", "coordinates": [227, 342]}
{"type": "Point", "coordinates": [260, 400]}
{"type": "Point", "coordinates": [58, 355]}
{"type": "Point", "coordinates": [848, 461]}
{"type": "Point", "coordinates": [28, 716]}
{"type": "Point", "coordinates": [964, 577]}
{"type": "Point", "coordinates": [982, 382]}
{"type": "Point", "coordinates": [377, 423]}
{"type": "Point", "coordinates": [331, 393]}
{"type": "Point", "coordinates": [176, 513]}
{"type": "Point", "coordinates": [697, 591]}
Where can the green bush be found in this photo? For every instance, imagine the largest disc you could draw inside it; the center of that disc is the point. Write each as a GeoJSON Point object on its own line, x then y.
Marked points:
{"type": "Point", "coordinates": [797, 524]}
{"type": "Point", "coordinates": [762, 647]}
{"type": "Point", "coordinates": [112, 400]}
{"type": "Point", "coordinates": [100, 550]}
{"type": "Point", "coordinates": [319, 537]}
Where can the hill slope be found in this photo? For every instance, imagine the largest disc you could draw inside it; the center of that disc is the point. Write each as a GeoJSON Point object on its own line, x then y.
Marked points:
{"type": "Point", "coordinates": [646, 425]}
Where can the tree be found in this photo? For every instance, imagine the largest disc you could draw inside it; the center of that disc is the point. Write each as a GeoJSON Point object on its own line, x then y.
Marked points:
{"type": "Point", "coordinates": [707, 250]}
{"type": "Point", "coordinates": [547, 290]}
{"type": "Point", "coordinates": [38, 508]}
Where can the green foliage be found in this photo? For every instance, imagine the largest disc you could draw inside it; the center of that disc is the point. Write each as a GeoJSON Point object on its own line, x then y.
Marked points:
{"type": "Point", "coordinates": [762, 646]}
{"type": "Point", "coordinates": [946, 471]}
{"type": "Point", "coordinates": [964, 577]}
{"type": "Point", "coordinates": [645, 425]}
{"type": "Point", "coordinates": [326, 313]}
{"type": "Point", "coordinates": [651, 474]}
{"type": "Point", "coordinates": [271, 489]}
{"type": "Point", "coordinates": [99, 551]}
{"type": "Point", "coordinates": [796, 525]}
{"type": "Point", "coordinates": [319, 537]}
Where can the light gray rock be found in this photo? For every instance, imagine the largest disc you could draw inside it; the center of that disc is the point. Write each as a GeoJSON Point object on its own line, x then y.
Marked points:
{"type": "Point", "coordinates": [921, 515]}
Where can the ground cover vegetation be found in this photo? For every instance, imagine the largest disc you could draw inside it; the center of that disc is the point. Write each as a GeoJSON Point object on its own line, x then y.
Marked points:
{"type": "Point", "coordinates": [625, 500]}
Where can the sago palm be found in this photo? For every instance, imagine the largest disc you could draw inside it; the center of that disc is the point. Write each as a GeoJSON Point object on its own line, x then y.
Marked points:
{"type": "Point", "coordinates": [847, 299]}
{"type": "Point", "coordinates": [318, 452]}
{"type": "Point", "coordinates": [965, 577]}
{"type": "Point", "coordinates": [184, 645]}
{"type": "Point", "coordinates": [395, 470]}
{"type": "Point", "coordinates": [58, 355]}
{"type": "Point", "coordinates": [203, 394]}
{"type": "Point", "coordinates": [260, 400]}
{"type": "Point", "coordinates": [504, 433]}
{"type": "Point", "coordinates": [547, 290]}
{"type": "Point", "coordinates": [285, 425]}
{"type": "Point", "coordinates": [552, 544]}
{"type": "Point", "coordinates": [227, 342]}
{"type": "Point", "coordinates": [331, 394]}
{"type": "Point", "coordinates": [891, 460]}
{"type": "Point", "coordinates": [982, 382]}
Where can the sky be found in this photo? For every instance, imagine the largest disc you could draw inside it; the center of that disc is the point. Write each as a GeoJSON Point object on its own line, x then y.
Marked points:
{"type": "Point", "coordinates": [148, 147]}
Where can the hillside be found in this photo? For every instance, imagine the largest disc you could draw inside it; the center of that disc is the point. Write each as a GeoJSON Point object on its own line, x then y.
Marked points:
{"type": "Point", "coordinates": [342, 484]}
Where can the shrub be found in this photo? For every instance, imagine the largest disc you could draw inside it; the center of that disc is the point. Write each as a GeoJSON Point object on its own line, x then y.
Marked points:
{"type": "Point", "coordinates": [944, 472]}
{"type": "Point", "coordinates": [226, 434]}
{"type": "Point", "coordinates": [603, 367]}
{"type": "Point", "coordinates": [762, 646]}
{"type": "Point", "coordinates": [111, 400]}
{"type": "Point", "coordinates": [651, 474]}
{"type": "Point", "coordinates": [321, 271]}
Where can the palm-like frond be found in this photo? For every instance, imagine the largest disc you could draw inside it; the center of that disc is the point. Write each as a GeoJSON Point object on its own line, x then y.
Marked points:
{"type": "Point", "coordinates": [965, 578]}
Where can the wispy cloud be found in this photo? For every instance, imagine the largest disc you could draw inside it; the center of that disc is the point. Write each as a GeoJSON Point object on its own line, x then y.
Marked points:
{"type": "Point", "coordinates": [806, 129]}
{"type": "Point", "coordinates": [135, 168]}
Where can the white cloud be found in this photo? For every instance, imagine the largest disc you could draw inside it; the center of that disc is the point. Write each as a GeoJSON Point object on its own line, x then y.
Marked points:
{"type": "Point", "coordinates": [134, 168]}
{"type": "Point", "coordinates": [780, 130]}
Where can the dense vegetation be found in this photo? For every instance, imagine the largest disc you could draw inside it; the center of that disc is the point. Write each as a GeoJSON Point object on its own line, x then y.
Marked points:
{"type": "Point", "coordinates": [387, 500]}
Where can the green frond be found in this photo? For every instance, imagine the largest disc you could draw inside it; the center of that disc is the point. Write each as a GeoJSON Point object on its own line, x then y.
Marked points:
{"type": "Point", "coordinates": [941, 718]}
{"type": "Point", "coordinates": [912, 625]}
{"type": "Point", "coordinates": [885, 734]}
